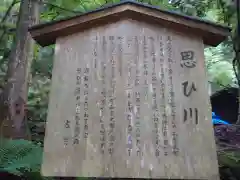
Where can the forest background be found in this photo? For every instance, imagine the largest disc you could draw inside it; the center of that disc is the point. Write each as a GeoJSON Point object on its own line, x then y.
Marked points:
{"type": "Point", "coordinates": [25, 69]}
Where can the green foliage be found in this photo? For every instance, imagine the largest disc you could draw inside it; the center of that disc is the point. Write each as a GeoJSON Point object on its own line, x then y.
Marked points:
{"type": "Point", "coordinates": [20, 156]}
{"type": "Point", "coordinates": [218, 64]}
{"type": "Point", "coordinates": [37, 106]}
{"type": "Point", "coordinates": [229, 159]}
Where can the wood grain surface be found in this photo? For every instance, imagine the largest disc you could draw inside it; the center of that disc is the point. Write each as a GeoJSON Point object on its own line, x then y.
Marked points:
{"type": "Point", "coordinates": [129, 100]}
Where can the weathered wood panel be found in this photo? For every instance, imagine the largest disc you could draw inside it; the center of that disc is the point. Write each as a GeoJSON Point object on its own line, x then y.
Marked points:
{"type": "Point", "coordinates": [129, 100]}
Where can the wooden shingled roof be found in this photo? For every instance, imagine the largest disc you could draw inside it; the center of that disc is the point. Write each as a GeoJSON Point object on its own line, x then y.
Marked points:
{"type": "Point", "coordinates": [211, 33]}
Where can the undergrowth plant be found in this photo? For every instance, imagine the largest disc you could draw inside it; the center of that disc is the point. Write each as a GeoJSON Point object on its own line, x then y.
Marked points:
{"type": "Point", "coordinates": [22, 158]}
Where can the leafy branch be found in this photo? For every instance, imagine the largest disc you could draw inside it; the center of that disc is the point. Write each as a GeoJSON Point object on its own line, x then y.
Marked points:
{"type": "Point", "coordinates": [14, 2]}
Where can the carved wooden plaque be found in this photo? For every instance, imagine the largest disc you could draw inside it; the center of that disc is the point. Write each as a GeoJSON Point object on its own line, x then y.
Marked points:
{"type": "Point", "coordinates": [130, 100]}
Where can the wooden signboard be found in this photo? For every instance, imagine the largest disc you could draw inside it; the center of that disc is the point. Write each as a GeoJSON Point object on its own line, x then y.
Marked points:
{"type": "Point", "coordinates": [130, 100]}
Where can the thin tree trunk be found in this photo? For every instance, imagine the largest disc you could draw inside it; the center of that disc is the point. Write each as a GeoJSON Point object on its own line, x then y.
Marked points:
{"type": "Point", "coordinates": [12, 107]}
{"type": "Point", "coordinates": [33, 19]}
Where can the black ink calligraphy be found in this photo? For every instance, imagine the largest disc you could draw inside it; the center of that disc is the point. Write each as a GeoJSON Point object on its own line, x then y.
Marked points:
{"type": "Point", "coordinates": [188, 91]}
{"type": "Point", "coordinates": [155, 113]}
{"type": "Point", "coordinates": [120, 58]}
{"type": "Point", "coordinates": [163, 97]}
{"type": "Point", "coordinates": [103, 102]}
{"type": "Point", "coordinates": [145, 67]}
{"type": "Point", "coordinates": [129, 119]}
{"type": "Point", "coordinates": [65, 141]}
{"type": "Point", "coordinates": [76, 139]}
{"type": "Point", "coordinates": [112, 104]}
{"type": "Point", "coordinates": [171, 98]}
{"type": "Point", "coordinates": [175, 149]}
{"type": "Point", "coordinates": [137, 124]}
{"type": "Point", "coordinates": [67, 124]}
{"type": "Point", "coordinates": [190, 114]}
{"type": "Point", "coordinates": [86, 115]}
{"type": "Point", "coordinates": [187, 59]}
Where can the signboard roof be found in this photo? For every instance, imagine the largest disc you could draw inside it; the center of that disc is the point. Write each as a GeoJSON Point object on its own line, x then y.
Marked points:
{"type": "Point", "coordinates": [211, 33]}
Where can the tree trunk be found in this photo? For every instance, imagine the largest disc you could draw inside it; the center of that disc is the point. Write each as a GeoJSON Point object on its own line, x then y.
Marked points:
{"type": "Point", "coordinates": [33, 19]}
{"type": "Point", "coordinates": [12, 107]}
